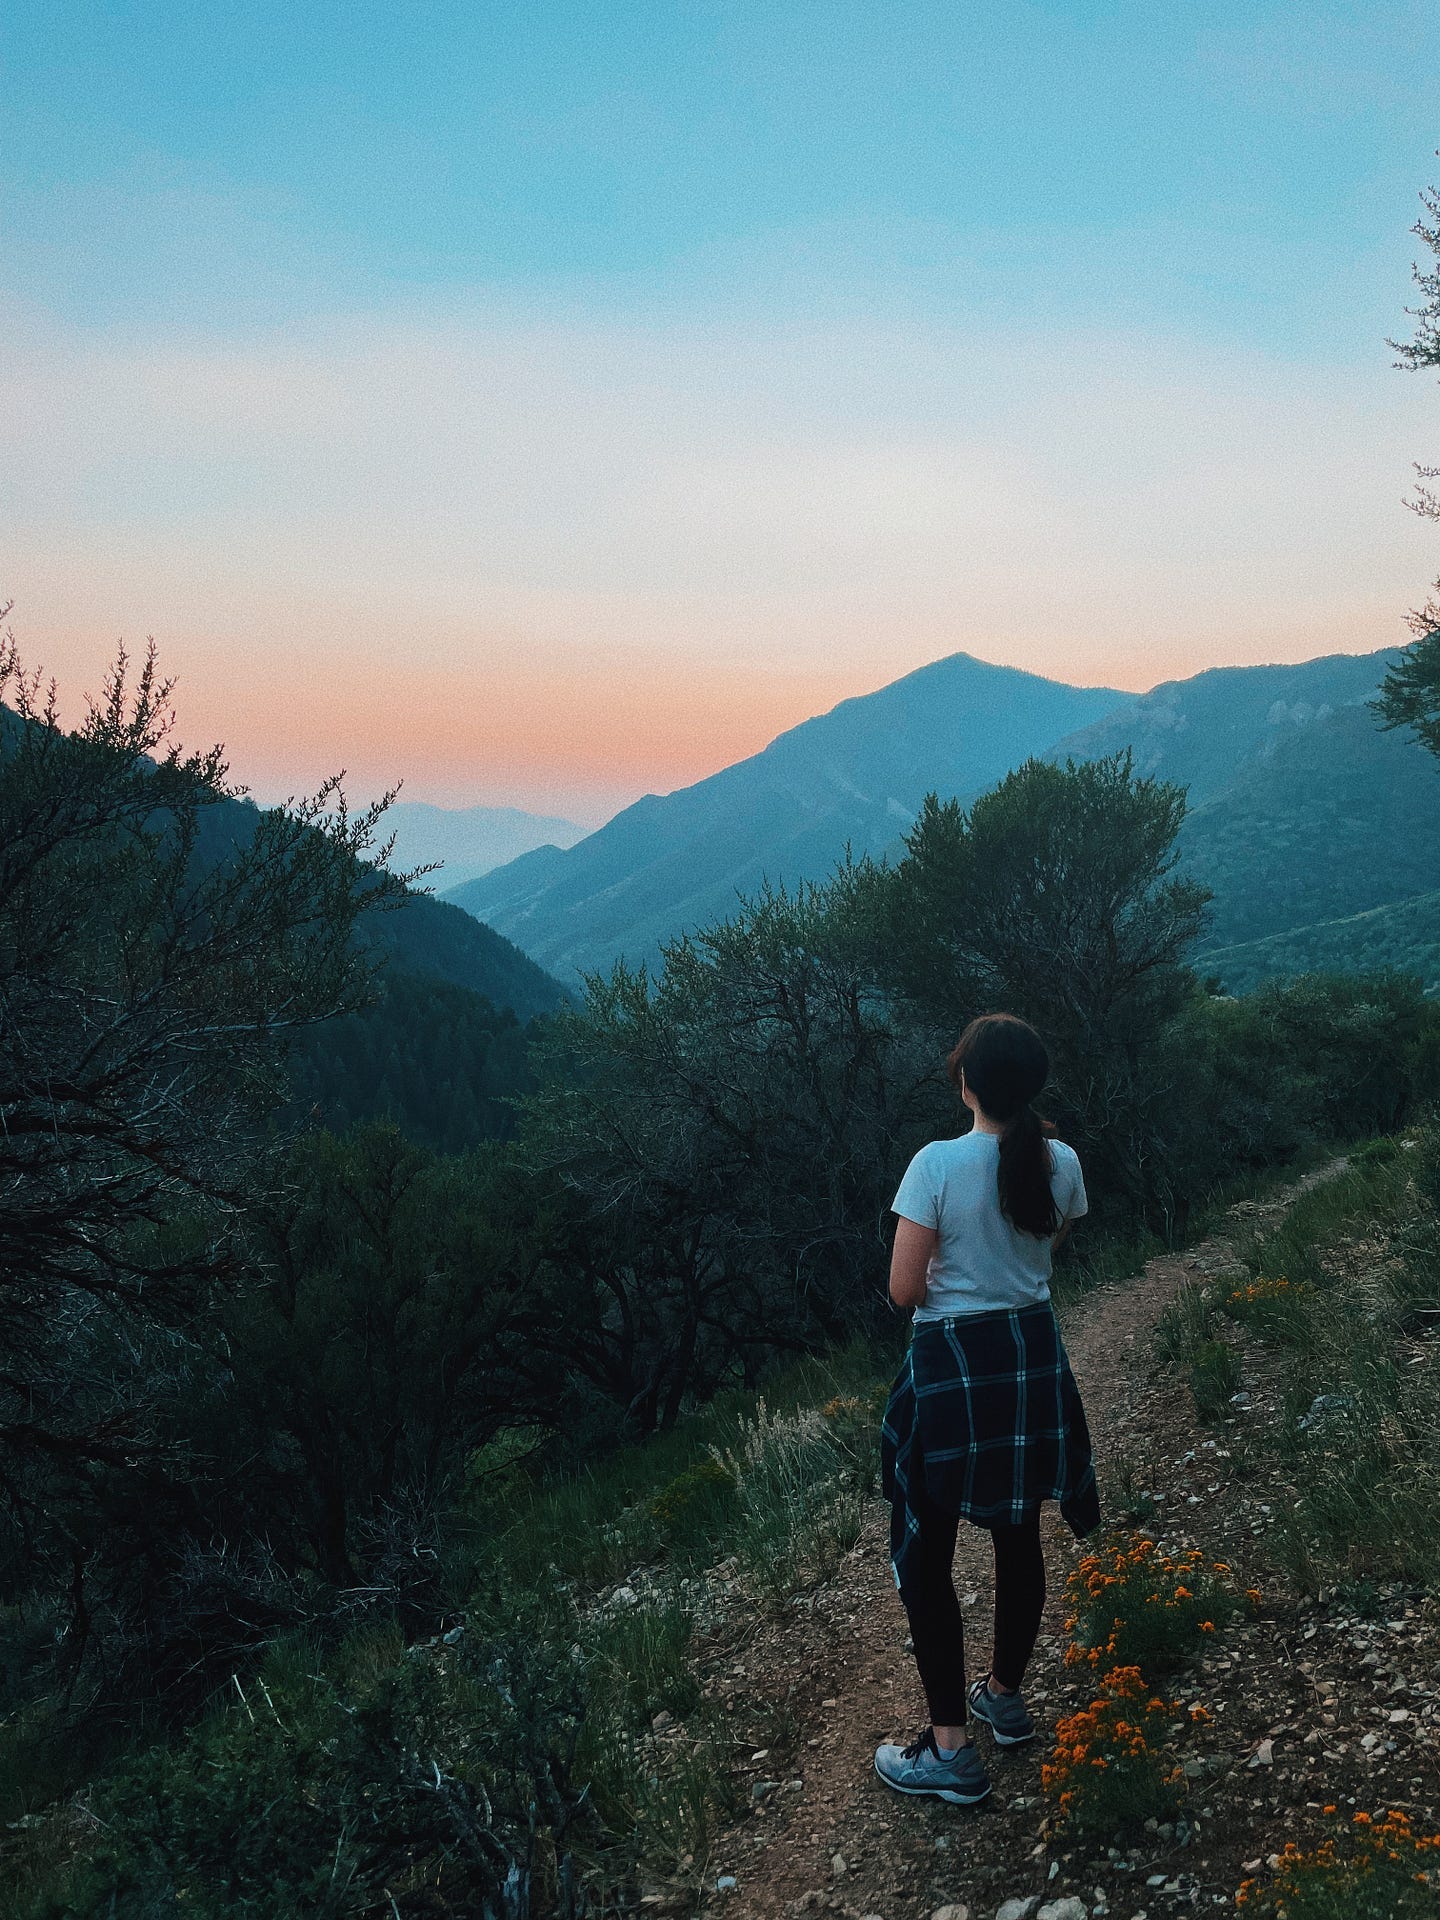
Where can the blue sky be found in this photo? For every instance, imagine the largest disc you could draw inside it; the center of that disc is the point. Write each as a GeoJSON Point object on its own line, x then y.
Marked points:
{"type": "Point", "coordinates": [886, 259]}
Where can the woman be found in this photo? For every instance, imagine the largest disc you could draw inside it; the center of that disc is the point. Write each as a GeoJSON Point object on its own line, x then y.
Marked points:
{"type": "Point", "coordinates": [984, 1421]}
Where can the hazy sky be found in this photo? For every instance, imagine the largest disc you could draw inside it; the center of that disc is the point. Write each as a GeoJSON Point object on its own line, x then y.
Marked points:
{"type": "Point", "coordinates": [548, 403]}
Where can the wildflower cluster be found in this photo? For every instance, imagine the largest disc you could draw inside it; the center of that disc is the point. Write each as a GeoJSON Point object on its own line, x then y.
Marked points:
{"type": "Point", "coordinates": [1106, 1772]}
{"type": "Point", "coordinates": [1378, 1869]}
{"type": "Point", "coordinates": [1267, 1305]}
{"type": "Point", "coordinates": [1131, 1602]}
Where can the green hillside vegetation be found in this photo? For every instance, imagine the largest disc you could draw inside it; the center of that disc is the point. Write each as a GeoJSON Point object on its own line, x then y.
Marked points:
{"type": "Point", "coordinates": [1338, 819]}
{"type": "Point", "coordinates": [433, 940]}
{"type": "Point", "coordinates": [440, 1061]}
{"type": "Point", "coordinates": [1403, 939]}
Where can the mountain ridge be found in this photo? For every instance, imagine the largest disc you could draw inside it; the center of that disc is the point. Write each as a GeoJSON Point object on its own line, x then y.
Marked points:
{"type": "Point", "coordinates": [855, 775]}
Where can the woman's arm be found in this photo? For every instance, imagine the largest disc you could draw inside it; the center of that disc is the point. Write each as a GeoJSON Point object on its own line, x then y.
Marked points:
{"type": "Point", "coordinates": [1062, 1235]}
{"type": "Point", "coordinates": [909, 1261]}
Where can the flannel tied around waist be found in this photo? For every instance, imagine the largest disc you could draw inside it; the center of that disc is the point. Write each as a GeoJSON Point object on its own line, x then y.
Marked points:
{"type": "Point", "coordinates": [985, 1421]}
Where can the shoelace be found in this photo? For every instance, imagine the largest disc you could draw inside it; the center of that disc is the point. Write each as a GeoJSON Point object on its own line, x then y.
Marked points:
{"type": "Point", "coordinates": [923, 1743]}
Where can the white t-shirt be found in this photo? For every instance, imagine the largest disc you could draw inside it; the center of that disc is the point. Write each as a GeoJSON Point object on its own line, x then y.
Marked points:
{"type": "Point", "coordinates": [981, 1261]}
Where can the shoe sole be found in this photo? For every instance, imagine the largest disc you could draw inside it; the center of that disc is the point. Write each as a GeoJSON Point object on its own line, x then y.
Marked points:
{"type": "Point", "coordinates": [950, 1794]}
{"type": "Point", "coordinates": [1001, 1739]}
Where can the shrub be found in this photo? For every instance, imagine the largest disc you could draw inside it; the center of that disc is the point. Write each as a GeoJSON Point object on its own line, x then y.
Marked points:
{"type": "Point", "coordinates": [1378, 1870]}
{"type": "Point", "coordinates": [1107, 1774]}
{"type": "Point", "coordinates": [1214, 1375]}
{"type": "Point", "coordinates": [449, 1771]}
{"type": "Point", "coordinates": [1132, 1603]}
{"type": "Point", "coordinates": [801, 1485]}
{"type": "Point", "coordinates": [692, 1509]}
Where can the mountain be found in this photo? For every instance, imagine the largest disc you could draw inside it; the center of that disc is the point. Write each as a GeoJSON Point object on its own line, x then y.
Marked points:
{"type": "Point", "coordinates": [855, 775]}
{"type": "Point", "coordinates": [1201, 732]}
{"type": "Point", "coordinates": [1312, 828]}
{"type": "Point", "coordinates": [469, 840]}
{"type": "Point", "coordinates": [1337, 820]}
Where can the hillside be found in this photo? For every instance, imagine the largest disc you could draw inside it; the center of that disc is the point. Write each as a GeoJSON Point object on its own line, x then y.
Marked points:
{"type": "Point", "coordinates": [1404, 936]}
{"type": "Point", "coordinates": [441, 1047]}
{"type": "Point", "coordinates": [1337, 820]}
{"type": "Point", "coordinates": [1200, 732]}
{"type": "Point", "coordinates": [437, 941]}
{"type": "Point", "coordinates": [855, 775]}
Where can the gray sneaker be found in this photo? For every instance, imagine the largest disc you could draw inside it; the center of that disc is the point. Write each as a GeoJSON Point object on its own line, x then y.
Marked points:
{"type": "Point", "coordinates": [1003, 1713]}
{"type": "Point", "coordinates": [918, 1768]}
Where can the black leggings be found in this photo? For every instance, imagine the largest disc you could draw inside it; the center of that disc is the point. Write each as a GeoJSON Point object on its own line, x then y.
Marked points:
{"type": "Point", "coordinates": [935, 1623]}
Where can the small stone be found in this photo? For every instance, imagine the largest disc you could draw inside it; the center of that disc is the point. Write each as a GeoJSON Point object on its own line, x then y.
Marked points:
{"type": "Point", "coordinates": [949, 1913]}
{"type": "Point", "coordinates": [455, 1635]}
{"type": "Point", "coordinates": [727, 1883]}
{"type": "Point", "coordinates": [1068, 1908]}
{"type": "Point", "coordinates": [1264, 1754]}
{"type": "Point", "coordinates": [624, 1597]}
{"type": "Point", "coordinates": [762, 1789]}
{"type": "Point", "coordinates": [838, 1866]}
{"type": "Point", "coordinates": [662, 1720]}
{"type": "Point", "coordinates": [1399, 1716]}
{"type": "Point", "coordinates": [1020, 1907]}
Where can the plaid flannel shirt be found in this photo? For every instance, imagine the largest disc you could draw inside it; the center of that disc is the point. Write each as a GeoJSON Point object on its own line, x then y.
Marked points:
{"type": "Point", "coordinates": [986, 1409]}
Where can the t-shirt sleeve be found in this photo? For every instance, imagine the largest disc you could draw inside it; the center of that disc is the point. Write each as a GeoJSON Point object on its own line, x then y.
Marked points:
{"type": "Point", "coordinates": [1074, 1201]}
{"type": "Point", "coordinates": [919, 1196]}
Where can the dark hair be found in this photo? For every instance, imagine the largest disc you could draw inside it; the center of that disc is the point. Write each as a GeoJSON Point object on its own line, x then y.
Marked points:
{"type": "Point", "coordinates": [1005, 1065]}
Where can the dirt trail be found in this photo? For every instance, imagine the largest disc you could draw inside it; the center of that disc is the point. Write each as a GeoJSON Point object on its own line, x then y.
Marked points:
{"type": "Point", "coordinates": [827, 1834]}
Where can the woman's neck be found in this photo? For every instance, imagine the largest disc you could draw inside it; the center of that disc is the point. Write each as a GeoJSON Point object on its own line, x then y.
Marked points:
{"type": "Point", "coordinates": [984, 1124]}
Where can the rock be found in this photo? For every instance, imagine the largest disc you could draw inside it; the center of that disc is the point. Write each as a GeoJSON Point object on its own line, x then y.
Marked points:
{"type": "Point", "coordinates": [1019, 1908]}
{"type": "Point", "coordinates": [624, 1597]}
{"type": "Point", "coordinates": [727, 1883]}
{"type": "Point", "coordinates": [455, 1635]}
{"type": "Point", "coordinates": [1068, 1908]}
{"type": "Point", "coordinates": [662, 1720]}
{"type": "Point", "coordinates": [1264, 1754]}
{"type": "Point", "coordinates": [1323, 1405]}
{"type": "Point", "coordinates": [762, 1789]}
{"type": "Point", "coordinates": [951, 1913]}
{"type": "Point", "coordinates": [838, 1865]}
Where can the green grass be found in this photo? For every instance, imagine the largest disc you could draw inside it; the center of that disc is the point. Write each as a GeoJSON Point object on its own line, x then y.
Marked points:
{"type": "Point", "coordinates": [1338, 1290]}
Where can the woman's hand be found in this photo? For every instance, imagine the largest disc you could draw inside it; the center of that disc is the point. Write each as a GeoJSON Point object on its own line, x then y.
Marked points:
{"type": "Point", "coordinates": [910, 1261]}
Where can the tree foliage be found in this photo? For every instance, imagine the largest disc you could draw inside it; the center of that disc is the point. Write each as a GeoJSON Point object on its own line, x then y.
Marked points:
{"type": "Point", "coordinates": [144, 991]}
{"type": "Point", "coordinates": [732, 1124]}
{"type": "Point", "coordinates": [1410, 692]}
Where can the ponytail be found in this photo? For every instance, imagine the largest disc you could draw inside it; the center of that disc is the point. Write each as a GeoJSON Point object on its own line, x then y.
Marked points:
{"type": "Point", "coordinates": [1004, 1062]}
{"type": "Point", "coordinates": [1025, 1196]}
